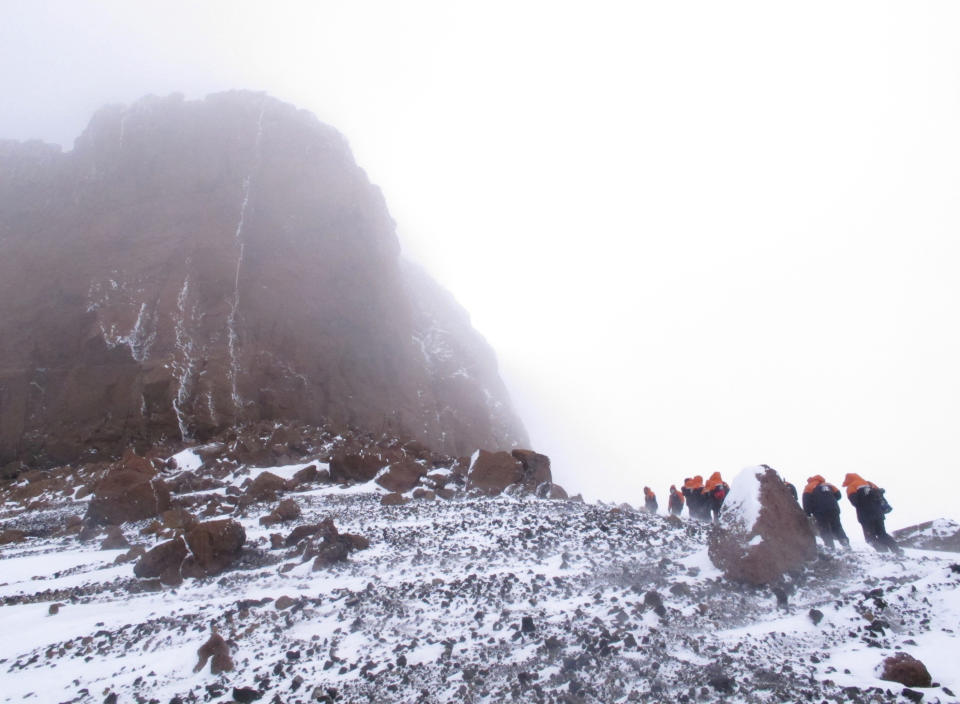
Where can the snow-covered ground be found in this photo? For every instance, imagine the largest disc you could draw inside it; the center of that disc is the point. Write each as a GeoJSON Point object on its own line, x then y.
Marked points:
{"type": "Point", "coordinates": [618, 606]}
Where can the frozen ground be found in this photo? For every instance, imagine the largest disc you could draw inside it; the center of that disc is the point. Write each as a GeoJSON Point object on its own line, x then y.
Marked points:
{"type": "Point", "coordinates": [480, 600]}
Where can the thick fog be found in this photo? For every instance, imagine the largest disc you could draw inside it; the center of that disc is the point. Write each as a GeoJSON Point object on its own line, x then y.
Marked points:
{"type": "Point", "coordinates": [699, 235]}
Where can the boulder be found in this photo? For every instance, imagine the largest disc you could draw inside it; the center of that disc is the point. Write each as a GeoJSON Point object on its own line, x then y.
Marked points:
{"type": "Point", "coordinates": [163, 562]}
{"type": "Point", "coordinates": [906, 670]}
{"type": "Point", "coordinates": [393, 499]}
{"type": "Point", "coordinates": [265, 487]}
{"type": "Point", "coordinates": [286, 510]}
{"type": "Point", "coordinates": [214, 545]}
{"type": "Point", "coordinates": [536, 468]}
{"type": "Point", "coordinates": [177, 519]}
{"type": "Point", "coordinates": [425, 494]}
{"type": "Point", "coordinates": [763, 533]}
{"type": "Point", "coordinates": [130, 491]}
{"type": "Point", "coordinates": [492, 472]}
{"type": "Point", "coordinates": [309, 475]}
{"type": "Point", "coordinates": [114, 540]}
{"type": "Point", "coordinates": [217, 652]}
{"type": "Point", "coordinates": [325, 528]}
{"type": "Point", "coordinates": [401, 476]}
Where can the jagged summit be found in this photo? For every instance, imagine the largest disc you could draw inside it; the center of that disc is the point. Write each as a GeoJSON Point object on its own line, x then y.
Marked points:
{"type": "Point", "coordinates": [194, 265]}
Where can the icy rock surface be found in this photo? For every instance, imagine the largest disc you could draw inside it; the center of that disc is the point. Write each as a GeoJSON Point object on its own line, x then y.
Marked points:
{"type": "Point", "coordinates": [478, 600]}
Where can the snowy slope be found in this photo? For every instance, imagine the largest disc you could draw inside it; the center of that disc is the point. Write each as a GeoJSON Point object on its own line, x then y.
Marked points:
{"type": "Point", "coordinates": [619, 606]}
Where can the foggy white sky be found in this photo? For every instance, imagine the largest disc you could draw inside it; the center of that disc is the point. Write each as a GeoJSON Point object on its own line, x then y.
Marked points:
{"type": "Point", "coordinates": [700, 235]}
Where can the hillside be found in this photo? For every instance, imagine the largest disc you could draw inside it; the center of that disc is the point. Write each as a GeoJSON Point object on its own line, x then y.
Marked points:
{"type": "Point", "coordinates": [191, 266]}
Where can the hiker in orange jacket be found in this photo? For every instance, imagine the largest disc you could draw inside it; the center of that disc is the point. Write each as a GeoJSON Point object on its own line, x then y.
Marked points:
{"type": "Point", "coordinates": [822, 501]}
{"type": "Point", "coordinates": [693, 491]}
{"type": "Point", "coordinates": [649, 500]}
{"type": "Point", "coordinates": [675, 503]}
{"type": "Point", "coordinates": [714, 492]}
{"type": "Point", "coordinates": [872, 508]}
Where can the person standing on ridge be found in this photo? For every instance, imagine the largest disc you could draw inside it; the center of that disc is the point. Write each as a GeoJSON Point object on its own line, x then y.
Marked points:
{"type": "Point", "coordinates": [675, 503]}
{"type": "Point", "coordinates": [650, 500]}
{"type": "Point", "coordinates": [714, 492]}
{"type": "Point", "coordinates": [822, 501]}
{"type": "Point", "coordinates": [692, 487]}
{"type": "Point", "coordinates": [872, 508]}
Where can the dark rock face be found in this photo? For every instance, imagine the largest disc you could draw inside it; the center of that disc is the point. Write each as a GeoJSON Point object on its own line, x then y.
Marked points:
{"type": "Point", "coordinates": [194, 265]}
{"type": "Point", "coordinates": [130, 491]}
{"type": "Point", "coordinates": [780, 539]}
{"type": "Point", "coordinates": [401, 476]}
{"type": "Point", "coordinates": [163, 562]}
{"type": "Point", "coordinates": [906, 670]}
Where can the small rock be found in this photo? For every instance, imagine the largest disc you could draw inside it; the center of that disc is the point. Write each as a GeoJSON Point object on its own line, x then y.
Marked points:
{"type": "Point", "coordinates": [54, 609]}
{"type": "Point", "coordinates": [816, 616]}
{"type": "Point", "coordinates": [912, 695]}
{"type": "Point", "coordinates": [246, 694]}
{"type": "Point", "coordinates": [114, 540]}
{"type": "Point", "coordinates": [284, 602]}
{"type": "Point", "coordinates": [393, 499]}
{"type": "Point", "coordinates": [526, 625]}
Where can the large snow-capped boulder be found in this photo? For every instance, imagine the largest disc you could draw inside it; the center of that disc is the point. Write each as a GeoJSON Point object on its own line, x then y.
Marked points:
{"type": "Point", "coordinates": [492, 472]}
{"type": "Point", "coordinates": [763, 533]}
{"type": "Point", "coordinates": [941, 534]}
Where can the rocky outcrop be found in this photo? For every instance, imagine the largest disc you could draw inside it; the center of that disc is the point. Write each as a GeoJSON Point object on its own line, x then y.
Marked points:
{"type": "Point", "coordinates": [401, 476]}
{"type": "Point", "coordinates": [942, 534]}
{"type": "Point", "coordinates": [763, 533]}
{"type": "Point", "coordinates": [130, 491]}
{"type": "Point", "coordinates": [491, 473]}
{"type": "Point", "coordinates": [194, 265]}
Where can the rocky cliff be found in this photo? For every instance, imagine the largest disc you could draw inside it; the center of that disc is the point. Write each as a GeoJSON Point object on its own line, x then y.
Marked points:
{"type": "Point", "coordinates": [193, 265]}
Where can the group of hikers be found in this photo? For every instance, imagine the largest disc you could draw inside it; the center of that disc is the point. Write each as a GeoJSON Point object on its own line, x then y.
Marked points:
{"type": "Point", "coordinates": [821, 501]}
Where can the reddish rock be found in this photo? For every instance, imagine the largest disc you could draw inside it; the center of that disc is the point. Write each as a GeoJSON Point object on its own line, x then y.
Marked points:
{"type": "Point", "coordinates": [307, 475]}
{"type": "Point", "coordinates": [134, 553]}
{"type": "Point", "coordinates": [266, 487]}
{"type": "Point", "coordinates": [163, 562]}
{"type": "Point", "coordinates": [401, 476]}
{"type": "Point", "coordinates": [73, 522]}
{"type": "Point", "coordinates": [178, 519]}
{"type": "Point", "coordinates": [130, 491]}
{"type": "Point", "coordinates": [88, 532]}
{"type": "Point", "coordinates": [536, 468]}
{"type": "Point", "coordinates": [439, 479]}
{"type": "Point", "coordinates": [12, 536]}
{"type": "Point", "coordinates": [393, 500]}
{"type": "Point", "coordinates": [276, 541]}
{"type": "Point", "coordinates": [114, 540]}
{"type": "Point", "coordinates": [284, 602]}
{"type": "Point", "coordinates": [217, 652]}
{"type": "Point", "coordinates": [357, 542]}
{"type": "Point", "coordinates": [187, 482]}
{"type": "Point", "coordinates": [214, 545]}
{"type": "Point", "coordinates": [905, 669]}
{"type": "Point", "coordinates": [425, 494]}
{"type": "Point", "coordinates": [446, 493]}
{"type": "Point", "coordinates": [330, 552]}
{"type": "Point", "coordinates": [492, 472]}
{"type": "Point", "coordinates": [286, 510]}
{"type": "Point", "coordinates": [780, 540]}
{"type": "Point", "coordinates": [325, 529]}
{"type": "Point", "coordinates": [356, 466]}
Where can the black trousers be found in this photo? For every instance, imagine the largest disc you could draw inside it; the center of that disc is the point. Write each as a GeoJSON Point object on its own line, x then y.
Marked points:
{"type": "Point", "coordinates": [831, 529]}
{"type": "Point", "coordinates": [875, 532]}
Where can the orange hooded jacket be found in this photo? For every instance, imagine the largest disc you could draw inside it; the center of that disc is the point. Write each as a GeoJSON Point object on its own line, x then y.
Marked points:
{"type": "Point", "coordinates": [648, 492]}
{"type": "Point", "coordinates": [694, 484]}
{"type": "Point", "coordinates": [676, 494]}
{"type": "Point", "coordinates": [815, 481]}
{"type": "Point", "coordinates": [853, 482]}
{"type": "Point", "coordinates": [713, 482]}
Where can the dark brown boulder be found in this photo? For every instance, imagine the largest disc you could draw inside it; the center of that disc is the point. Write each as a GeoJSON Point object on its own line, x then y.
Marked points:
{"type": "Point", "coordinates": [163, 562]}
{"type": "Point", "coordinates": [308, 475]}
{"type": "Point", "coordinates": [763, 533]}
{"type": "Point", "coordinates": [393, 499]}
{"type": "Point", "coordinates": [401, 476]}
{"type": "Point", "coordinates": [359, 466]}
{"type": "Point", "coordinates": [214, 545]}
{"type": "Point", "coordinates": [266, 487]}
{"type": "Point", "coordinates": [357, 542]}
{"type": "Point", "coordinates": [492, 472]}
{"type": "Point", "coordinates": [425, 494]}
{"type": "Point", "coordinates": [536, 468]}
{"type": "Point", "coordinates": [217, 652]}
{"type": "Point", "coordinates": [330, 552]}
{"type": "Point", "coordinates": [130, 491]}
{"type": "Point", "coordinates": [325, 529]}
{"type": "Point", "coordinates": [905, 669]}
{"type": "Point", "coordinates": [114, 540]}
{"type": "Point", "coordinates": [286, 510]}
